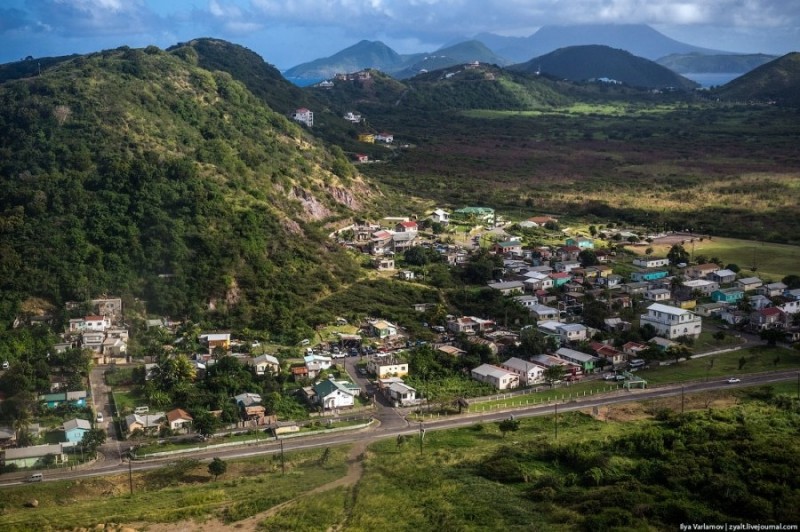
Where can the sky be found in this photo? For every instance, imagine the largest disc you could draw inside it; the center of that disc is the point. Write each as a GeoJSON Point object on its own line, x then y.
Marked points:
{"type": "Point", "coordinates": [289, 32]}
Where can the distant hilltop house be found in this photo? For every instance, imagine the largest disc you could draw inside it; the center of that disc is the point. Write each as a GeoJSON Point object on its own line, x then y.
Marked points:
{"type": "Point", "coordinates": [384, 137]}
{"type": "Point", "coordinates": [361, 75]}
{"type": "Point", "coordinates": [304, 116]}
{"type": "Point", "coordinates": [326, 84]}
{"type": "Point", "coordinates": [369, 138]}
{"type": "Point", "coordinates": [350, 116]}
{"type": "Point", "coordinates": [361, 157]}
{"type": "Point", "coordinates": [541, 220]}
{"type": "Point", "coordinates": [474, 215]}
{"type": "Point", "coordinates": [440, 216]}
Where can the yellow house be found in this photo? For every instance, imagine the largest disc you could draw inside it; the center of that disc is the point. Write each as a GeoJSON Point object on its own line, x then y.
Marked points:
{"type": "Point", "coordinates": [687, 304]}
{"type": "Point", "coordinates": [366, 137]}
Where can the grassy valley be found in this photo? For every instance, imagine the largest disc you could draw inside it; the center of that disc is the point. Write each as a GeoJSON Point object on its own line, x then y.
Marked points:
{"type": "Point", "coordinates": [630, 465]}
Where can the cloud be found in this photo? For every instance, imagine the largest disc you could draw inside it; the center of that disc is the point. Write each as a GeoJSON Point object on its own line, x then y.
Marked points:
{"type": "Point", "coordinates": [96, 17]}
{"type": "Point", "coordinates": [449, 17]}
{"type": "Point", "coordinates": [14, 20]}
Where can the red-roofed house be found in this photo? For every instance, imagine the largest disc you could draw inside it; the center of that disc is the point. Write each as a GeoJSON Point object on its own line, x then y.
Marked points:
{"type": "Point", "coordinates": [767, 318]}
{"type": "Point", "coordinates": [179, 419]}
{"type": "Point", "coordinates": [304, 116]}
{"type": "Point", "coordinates": [406, 227]}
{"type": "Point", "coordinates": [361, 157]}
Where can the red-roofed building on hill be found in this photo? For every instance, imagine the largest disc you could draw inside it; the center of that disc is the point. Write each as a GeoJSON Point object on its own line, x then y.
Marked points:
{"type": "Point", "coordinates": [407, 227]}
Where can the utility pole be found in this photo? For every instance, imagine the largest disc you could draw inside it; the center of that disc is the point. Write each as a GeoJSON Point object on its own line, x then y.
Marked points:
{"type": "Point", "coordinates": [283, 462]}
{"type": "Point", "coordinates": [556, 417]}
{"type": "Point", "coordinates": [130, 471]}
{"type": "Point", "coordinates": [682, 400]}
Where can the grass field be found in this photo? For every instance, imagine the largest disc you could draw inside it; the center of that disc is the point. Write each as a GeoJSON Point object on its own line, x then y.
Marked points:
{"type": "Point", "coordinates": [772, 261]}
{"type": "Point", "coordinates": [181, 491]}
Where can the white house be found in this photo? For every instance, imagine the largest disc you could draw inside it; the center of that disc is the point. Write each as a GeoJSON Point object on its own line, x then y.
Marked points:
{"type": "Point", "coordinates": [650, 262]}
{"type": "Point", "coordinates": [323, 362]}
{"type": "Point", "coordinates": [703, 286]}
{"type": "Point", "coordinates": [264, 364]}
{"type": "Point", "coordinates": [499, 378]}
{"type": "Point", "coordinates": [304, 116]}
{"type": "Point", "coordinates": [543, 312]}
{"type": "Point", "coordinates": [528, 372]}
{"type": "Point", "coordinates": [333, 394]}
{"type": "Point", "coordinates": [90, 323]}
{"type": "Point", "coordinates": [672, 322]}
{"type": "Point", "coordinates": [440, 216]}
{"type": "Point", "coordinates": [388, 138]}
{"type": "Point", "coordinates": [572, 332]}
{"type": "Point", "coordinates": [350, 116]}
{"type": "Point", "coordinates": [387, 367]}
{"type": "Point", "coordinates": [749, 283]}
{"type": "Point", "coordinates": [179, 419]}
{"type": "Point", "coordinates": [657, 294]}
{"type": "Point", "coordinates": [401, 393]}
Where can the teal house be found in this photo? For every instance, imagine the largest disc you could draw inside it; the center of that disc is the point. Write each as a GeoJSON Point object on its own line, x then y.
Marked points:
{"type": "Point", "coordinates": [581, 242]}
{"type": "Point", "coordinates": [728, 295]}
{"type": "Point", "coordinates": [474, 216]}
{"type": "Point", "coordinates": [649, 275]}
{"type": "Point", "coordinates": [74, 429]}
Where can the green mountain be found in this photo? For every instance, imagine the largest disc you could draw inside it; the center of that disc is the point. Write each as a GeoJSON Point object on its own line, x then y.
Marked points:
{"type": "Point", "coordinates": [700, 63]}
{"type": "Point", "coordinates": [464, 52]}
{"type": "Point", "coordinates": [778, 81]}
{"type": "Point", "coordinates": [362, 55]}
{"type": "Point", "coordinates": [140, 173]}
{"type": "Point", "coordinates": [584, 63]}
{"type": "Point", "coordinates": [246, 66]}
{"type": "Point", "coordinates": [375, 55]}
{"type": "Point", "coordinates": [456, 88]}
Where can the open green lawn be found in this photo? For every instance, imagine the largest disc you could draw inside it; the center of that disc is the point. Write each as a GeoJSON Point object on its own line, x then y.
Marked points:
{"type": "Point", "coordinates": [725, 365]}
{"type": "Point", "coordinates": [772, 261]}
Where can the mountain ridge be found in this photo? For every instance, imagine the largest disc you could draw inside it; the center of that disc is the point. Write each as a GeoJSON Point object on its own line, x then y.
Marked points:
{"type": "Point", "coordinates": [589, 62]}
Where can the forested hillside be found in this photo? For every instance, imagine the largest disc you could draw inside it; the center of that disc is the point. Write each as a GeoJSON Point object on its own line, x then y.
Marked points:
{"type": "Point", "coordinates": [136, 172]}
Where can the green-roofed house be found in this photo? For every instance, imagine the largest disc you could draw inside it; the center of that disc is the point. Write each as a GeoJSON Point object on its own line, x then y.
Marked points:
{"type": "Point", "coordinates": [332, 394]}
{"type": "Point", "coordinates": [474, 216]}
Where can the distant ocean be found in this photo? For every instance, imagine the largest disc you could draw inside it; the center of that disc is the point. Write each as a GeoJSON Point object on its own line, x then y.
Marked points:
{"type": "Point", "coordinates": [712, 79]}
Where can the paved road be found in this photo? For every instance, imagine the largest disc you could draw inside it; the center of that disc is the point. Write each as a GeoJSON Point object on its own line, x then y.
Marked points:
{"type": "Point", "coordinates": [388, 431]}
{"type": "Point", "coordinates": [113, 449]}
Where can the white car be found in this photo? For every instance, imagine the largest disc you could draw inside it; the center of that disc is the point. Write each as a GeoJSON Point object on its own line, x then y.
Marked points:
{"type": "Point", "coordinates": [733, 380]}
{"type": "Point", "coordinates": [99, 417]}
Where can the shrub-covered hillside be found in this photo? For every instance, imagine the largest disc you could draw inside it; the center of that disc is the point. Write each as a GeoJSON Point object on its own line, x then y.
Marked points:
{"type": "Point", "coordinates": [137, 172]}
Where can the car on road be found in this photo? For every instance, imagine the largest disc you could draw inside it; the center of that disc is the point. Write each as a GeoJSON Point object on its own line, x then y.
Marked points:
{"type": "Point", "coordinates": [362, 371]}
{"type": "Point", "coordinates": [99, 417]}
{"type": "Point", "coordinates": [609, 377]}
{"type": "Point", "coordinates": [733, 380]}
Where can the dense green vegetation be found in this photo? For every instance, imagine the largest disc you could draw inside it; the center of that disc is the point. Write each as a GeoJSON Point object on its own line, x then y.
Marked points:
{"type": "Point", "coordinates": [714, 466]}
{"type": "Point", "coordinates": [135, 172]}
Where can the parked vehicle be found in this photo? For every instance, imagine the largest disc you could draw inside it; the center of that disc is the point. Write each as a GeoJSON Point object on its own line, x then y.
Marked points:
{"type": "Point", "coordinates": [36, 477]}
{"type": "Point", "coordinates": [733, 380]}
{"type": "Point", "coordinates": [99, 417]}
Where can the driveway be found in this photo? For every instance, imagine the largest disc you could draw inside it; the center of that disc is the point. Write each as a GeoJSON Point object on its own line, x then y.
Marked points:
{"type": "Point", "coordinates": [101, 393]}
{"type": "Point", "coordinates": [389, 416]}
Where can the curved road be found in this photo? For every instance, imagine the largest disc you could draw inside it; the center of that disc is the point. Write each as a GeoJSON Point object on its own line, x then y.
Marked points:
{"type": "Point", "coordinates": [397, 425]}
